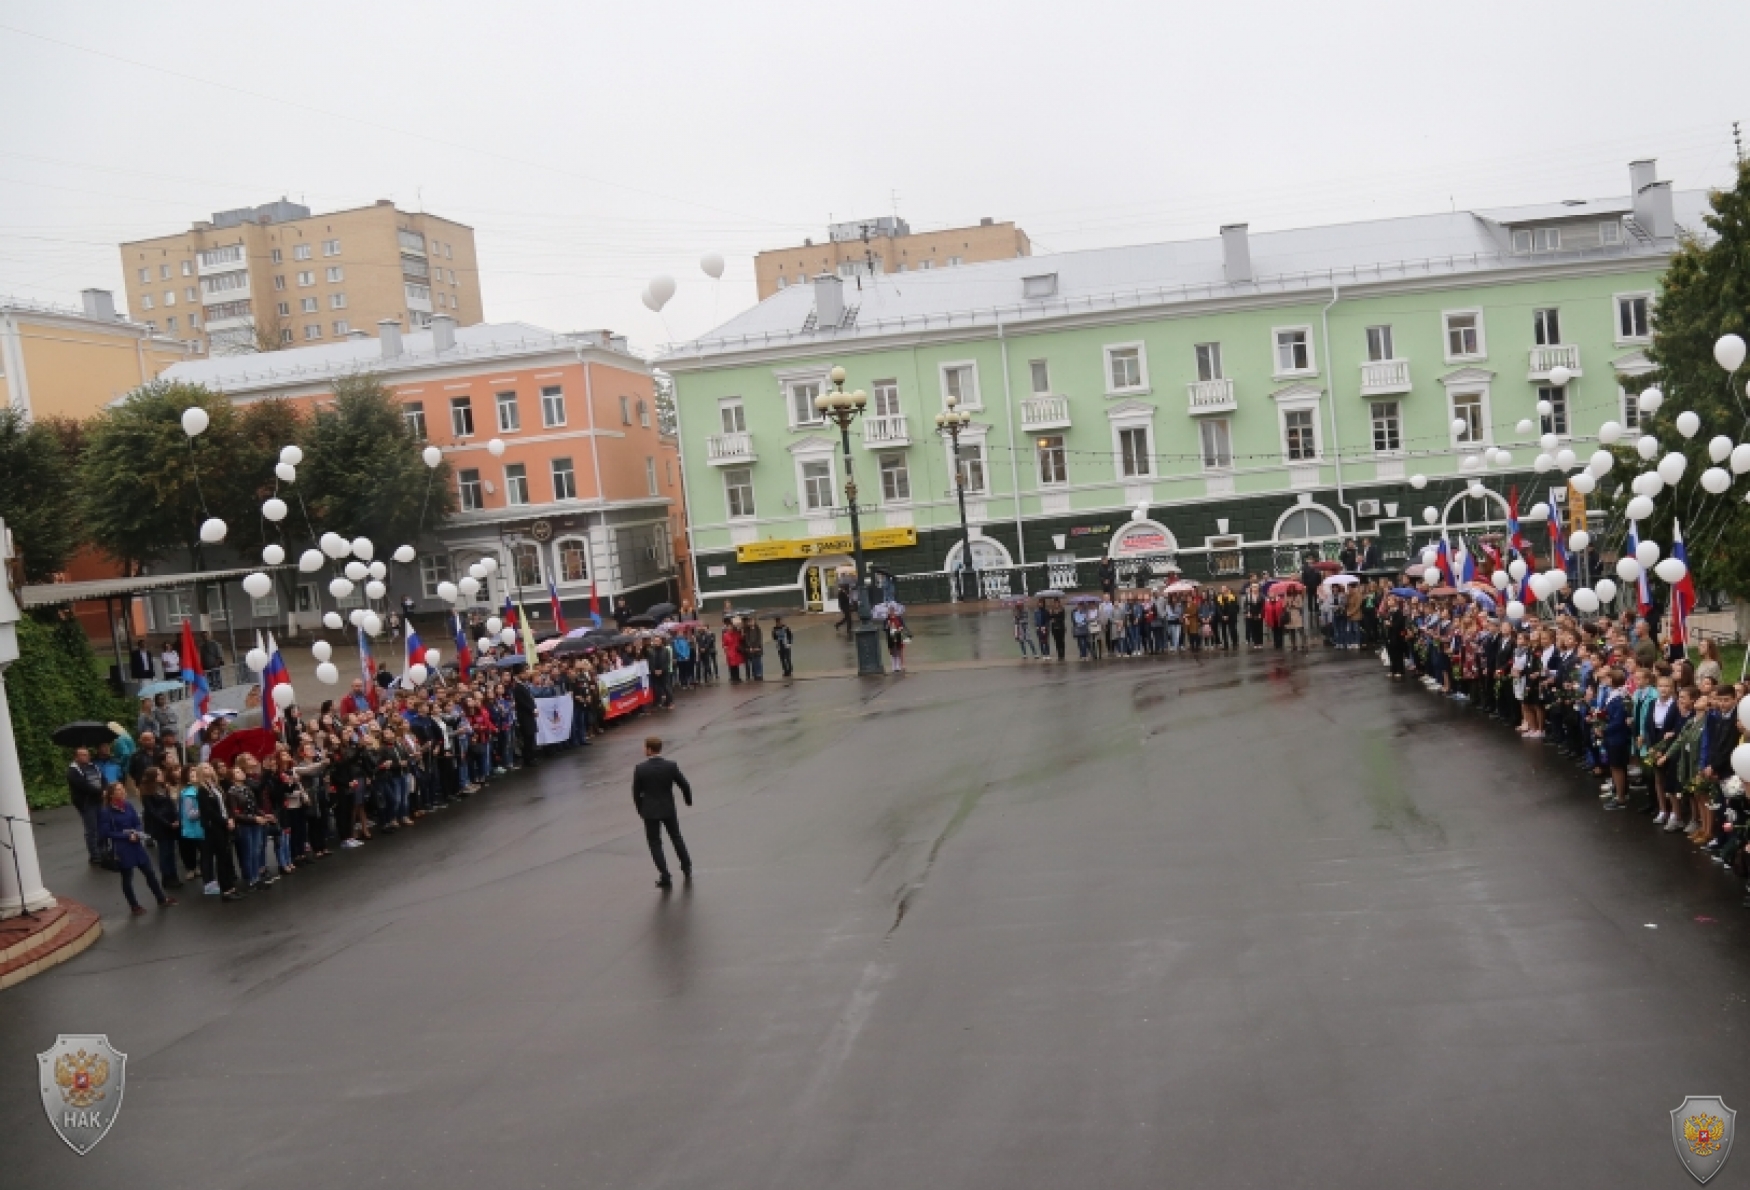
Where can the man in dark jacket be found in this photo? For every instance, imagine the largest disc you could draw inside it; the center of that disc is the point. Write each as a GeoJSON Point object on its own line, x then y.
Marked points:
{"type": "Point", "coordinates": [212, 661]}
{"type": "Point", "coordinates": [653, 783]}
{"type": "Point", "coordinates": [527, 715]}
{"type": "Point", "coordinates": [140, 662]}
{"type": "Point", "coordinates": [85, 788]}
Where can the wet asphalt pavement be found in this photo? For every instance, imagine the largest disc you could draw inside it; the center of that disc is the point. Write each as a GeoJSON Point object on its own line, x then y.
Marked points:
{"type": "Point", "coordinates": [1256, 922]}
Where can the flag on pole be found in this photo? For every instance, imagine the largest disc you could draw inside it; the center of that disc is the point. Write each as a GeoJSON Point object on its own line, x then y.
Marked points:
{"type": "Point", "coordinates": [274, 675]}
{"type": "Point", "coordinates": [464, 655]}
{"type": "Point", "coordinates": [1682, 591]}
{"type": "Point", "coordinates": [192, 673]}
{"type": "Point", "coordinates": [1467, 566]}
{"type": "Point", "coordinates": [509, 614]}
{"type": "Point", "coordinates": [1513, 534]}
{"type": "Point", "coordinates": [1443, 559]}
{"type": "Point", "coordinates": [1643, 594]}
{"type": "Point", "coordinates": [415, 653]}
{"type": "Point", "coordinates": [595, 606]}
{"type": "Point", "coordinates": [1556, 545]}
{"type": "Point", "coordinates": [368, 668]}
{"type": "Point", "coordinates": [558, 615]}
{"type": "Point", "coordinates": [528, 634]}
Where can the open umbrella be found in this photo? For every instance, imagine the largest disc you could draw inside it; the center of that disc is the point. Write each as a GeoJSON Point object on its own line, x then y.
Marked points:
{"type": "Point", "coordinates": [153, 688]}
{"type": "Point", "coordinates": [1049, 593]}
{"type": "Point", "coordinates": [84, 733]}
{"type": "Point", "coordinates": [1328, 567]}
{"type": "Point", "coordinates": [511, 662]}
{"type": "Point", "coordinates": [204, 722]}
{"type": "Point", "coordinates": [248, 717]}
{"type": "Point", "coordinates": [1408, 593]}
{"type": "Point", "coordinates": [1084, 599]}
{"type": "Point", "coordinates": [1341, 580]}
{"type": "Point", "coordinates": [1483, 598]}
{"type": "Point", "coordinates": [1284, 584]}
{"type": "Point", "coordinates": [549, 645]}
{"type": "Point", "coordinates": [640, 622]}
{"type": "Point", "coordinates": [1443, 590]}
{"type": "Point", "coordinates": [1183, 586]}
{"type": "Point", "coordinates": [259, 742]}
{"type": "Point", "coordinates": [659, 610]}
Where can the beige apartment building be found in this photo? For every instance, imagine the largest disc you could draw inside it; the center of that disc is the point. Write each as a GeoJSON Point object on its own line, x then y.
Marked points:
{"type": "Point", "coordinates": [253, 278]}
{"type": "Point", "coordinates": [61, 361]}
{"type": "Point", "coordinates": [886, 245]}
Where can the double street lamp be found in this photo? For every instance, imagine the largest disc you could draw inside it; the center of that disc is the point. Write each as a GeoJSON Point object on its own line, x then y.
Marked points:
{"type": "Point", "coordinates": [949, 423]}
{"type": "Point", "coordinates": [843, 408]}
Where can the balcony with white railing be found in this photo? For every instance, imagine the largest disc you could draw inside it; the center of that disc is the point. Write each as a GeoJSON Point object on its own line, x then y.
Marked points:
{"type": "Point", "coordinates": [1384, 377]}
{"type": "Point", "coordinates": [728, 450]}
{"type": "Point", "coordinates": [1044, 413]}
{"type": "Point", "coordinates": [883, 433]}
{"type": "Point", "coordinates": [1212, 396]}
{"type": "Point", "coordinates": [1544, 358]}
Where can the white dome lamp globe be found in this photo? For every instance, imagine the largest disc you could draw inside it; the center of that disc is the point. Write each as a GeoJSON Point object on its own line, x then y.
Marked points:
{"type": "Point", "coordinates": [1647, 554]}
{"type": "Point", "coordinates": [432, 456]}
{"type": "Point", "coordinates": [212, 530]}
{"type": "Point", "coordinates": [1672, 467]}
{"type": "Point", "coordinates": [274, 509]}
{"type": "Point", "coordinates": [1418, 481]}
{"type": "Point", "coordinates": [1716, 481]}
{"type": "Point", "coordinates": [328, 673]}
{"type": "Point", "coordinates": [273, 554]}
{"type": "Point", "coordinates": [1719, 448]}
{"type": "Point", "coordinates": [256, 659]}
{"type": "Point", "coordinates": [332, 621]}
{"type": "Point", "coordinates": [322, 650]}
{"type": "Point", "coordinates": [1609, 432]}
{"type": "Point", "coordinates": [1647, 447]}
{"type": "Point", "coordinates": [310, 561]}
{"type": "Point", "coordinates": [1729, 352]}
{"type": "Point", "coordinates": [1688, 423]}
{"type": "Point", "coordinates": [1606, 589]}
{"type": "Point", "coordinates": [257, 585]}
{"type": "Point", "coordinates": [1649, 401]}
{"type": "Point", "coordinates": [404, 554]}
{"type": "Point", "coordinates": [1628, 570]}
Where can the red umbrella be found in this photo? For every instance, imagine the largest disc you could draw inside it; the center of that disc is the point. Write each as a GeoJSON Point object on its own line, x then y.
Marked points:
{"type": "Point", "coordinates": [1328, 567]}
{"type": "Point", "coordinates": [259, 742]}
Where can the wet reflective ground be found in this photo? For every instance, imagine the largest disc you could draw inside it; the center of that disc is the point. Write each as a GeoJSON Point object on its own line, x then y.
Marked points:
{"type": "Point", "coordinates": [1258, 921]}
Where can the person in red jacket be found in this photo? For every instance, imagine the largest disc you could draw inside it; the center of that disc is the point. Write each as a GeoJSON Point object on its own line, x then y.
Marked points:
{"type": "Point", "coordinates": [732, 653]}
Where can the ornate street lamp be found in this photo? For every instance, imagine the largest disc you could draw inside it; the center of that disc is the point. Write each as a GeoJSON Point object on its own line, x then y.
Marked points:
{"type": "Point", "coordinates": [843, 408]}
{"type": "Point", "coordinates": [949, 423]}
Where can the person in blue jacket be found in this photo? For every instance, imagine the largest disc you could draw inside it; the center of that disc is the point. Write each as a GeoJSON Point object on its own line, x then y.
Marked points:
{"type": "Point", "coordinates": [1615, 733]}
{"type": "Point", "coordinates": [122, 827]}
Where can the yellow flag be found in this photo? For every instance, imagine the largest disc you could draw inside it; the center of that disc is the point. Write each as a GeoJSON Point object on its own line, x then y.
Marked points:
{"type": "Point", "coordinates": [522, 619]}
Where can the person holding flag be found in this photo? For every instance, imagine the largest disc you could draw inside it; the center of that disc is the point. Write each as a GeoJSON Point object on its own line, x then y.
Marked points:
{"type": "Point", "coordinates": [1682, 596]}
{"type": "Point", "coordinates": [526, 632]}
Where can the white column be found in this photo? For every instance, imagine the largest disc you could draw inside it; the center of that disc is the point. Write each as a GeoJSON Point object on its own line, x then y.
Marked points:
{"type": "Point", "coordinates": [21, 877]}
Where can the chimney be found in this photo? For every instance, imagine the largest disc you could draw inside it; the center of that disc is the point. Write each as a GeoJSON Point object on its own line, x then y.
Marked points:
{"type": "Point", "coordinates": [1652, 200]}
{"type": "Point", "coordinates": [357, 333]}
{"type": "Point", "coordinates": [829, 301]}
{"type": "Point", "coordinates": [618, 343]}
{"type": "Point", "coordinates": [389, 332]}
{"type": "Point", "coordinates": [1236, 253]}
{"type": "Point", "coordinates": [98, 303]}
{"type": "Point", "coordinates": [443, 332]}
{"type": "Point", "coordinates": [987, 221]}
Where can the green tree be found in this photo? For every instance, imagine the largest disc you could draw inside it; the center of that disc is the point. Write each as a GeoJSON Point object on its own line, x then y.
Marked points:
{"type": "Point", "coordinates": [363, 474]}
{"type": "Point", "coordinates": [264, 428]}
{"type": "Point", "coordinates": [54, 681]}
{"type": "Point", "coordinates": [38, 494]}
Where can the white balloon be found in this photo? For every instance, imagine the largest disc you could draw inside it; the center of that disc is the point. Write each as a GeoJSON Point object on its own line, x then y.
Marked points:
{"type": "Point", "coordinates": [372, 623]}
{"type": "Point", "coordinates": [1716, 480]}
{"type": "Point", "coordinates": [1459, 425]}
{"type": "Point", "coordinates": [491, 565]}
{"type": "Point", "coordinates": [1719, 448]}
{"type": "Point", "coordinates": [495, 447]}
{"type": "Point", "coordinates": [1516, 570]}
{"type": "Point", "coordinates": [1729, 353]}
{"type": "Point", "coordinates": [434, 657]}
{"type": "Point", "coordinates": [273, 554]}
{"type": "Point", "coordinates": [1544, 408]}
{"type": "Point", "coordinates": [255, 659]}
{"type": "Point", "coordinates": [378, 571]}
{"type": "Point", "coordinates": [1650, 400]}
{"type": "Point", "coordinates": [485, 644]}
{"type": "Point", "coordinates": [404, 554]}
{"type": "Point", "coordinates": [1430, 515]}
{"type": "Point", "coordinates": [1744, 712]}
{"type": "Point", "coordinates": [1539, 586]}
{"type": "Point", "coordinates": [1499, 578]}
{"type": "Point", "coordinates": [1476, 491]}
{"type": "Point", "coordinates": [432, 456]}
{"type": "Point", "coordinates": [1648, 484]}
{"type": "Point", "coordinates": [286, 472]}
{"type": "Point", "coordinates": [469, 586]}
{"type": "Point", "coordinates": [712, 264]}
{"type": "Point", "coordinates": [310, 561]}
{"type": "Point", "coordinates": [447, 592]}
{"type": "Point", "coordinates": [1741, 754]}
{"type": "Point", "coordinates": [1600, 463]}
{"type": "Point", "coordinates": [327, 673]}
{"type": "Point", "coordinates": [1525, 426]}
{"type": "Point", "coordinates": [477, 572]}
{"type": "Point", "coordinates": [508, 636]}
{"type": "Point", "coordinates": [356, 570]}
{"type": "Point", "coordinates": [1542, 463]}
{"type": "Point", "coordinates": [1418, 482]}
{"type": "Point", "coordinates": [291, 456]}
{"type": "Point", "coordinates": [274, 509]}
{"type": "Point", "coordinates": [362, 548]}
{"type": "Point", "coordinates": [332, 620]}
{"type": "Point", "coordinates": [335, 546]}
{"type": "Point", "coordinates": [1565, 459]}
{"type": "Point", "coordinates": [1585, 600]}
{"type": "Point", "coordinates": [1579, 540]}
{"type": "Point", "coordinates": [650, 302]}
{"type": "Point", "coordinates": [1647, 553]}
{"type": "Point", "coordinates": [1539, 512]}
{"type": "Point", "coordinates": [1515, 610]}
{"type": "Point", "coordinates": [1503, 457]}
{"type": "Point", "coordinates": [1583, 482]}
{"type": "Point", "coordinates": [493, 624]}
{"type": "Point", "coordinates": [1688, 423]}
{"type": "Point", "coordinates": [1671, 570]}
{"type": "Point", "coordinates": [1741, 458]}
{"type": "Point", "coordinates": [1609, 432]}
{"type": "Point", "coordinates": [257, 584]}
{"type": "Point", "coordinates": [1672, 466]}
{"type": "Point", "coordinates": [1647, 447]}
{"type": "Point", "coordinates": [1606, 589]}
{"type": "Point", "coordinates": [322, 650]}
{"type": "Point", "coordinates": [356, 617]}
{"type": "Point", "coordinates": [417, 674]}
{"type": "Point", "coordinates": [1555, 579]}
{"type": "Point", "coordinates": [375, 590]}
{"type": "Point", "coordinates": [662, 289]}
{"type": "Point", "coordinates": [195, 421]}
{"type": "Point", "coordinates": [212, 530]}
{"type": "Point", "coordinates": [1628, 570]}
{"type": "Point", "coordinates": [284, 696]}
{"type": "Point", "coordinates": [1640, 508]}
{"type": "Point", "coordinates": [340, 588]}
{"type": "Point", "coordinates": [1468, 463]}
{"type": "Point", "coordinates": [1549, 442]}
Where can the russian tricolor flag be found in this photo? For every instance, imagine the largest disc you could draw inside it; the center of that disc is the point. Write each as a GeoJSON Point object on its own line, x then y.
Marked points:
{"type": "Point", "coordinates": [1643, 594]}
{"type": "Point", "coordinates": [1682, 591]}
{"type": "Point", "coordinates": [464, 655]}
{"type": "Point", "coordinates": [274, 675]}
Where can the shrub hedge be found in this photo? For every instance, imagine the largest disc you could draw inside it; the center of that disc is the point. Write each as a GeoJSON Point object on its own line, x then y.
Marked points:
{"type": "Point", "coordinates": [55, 680]}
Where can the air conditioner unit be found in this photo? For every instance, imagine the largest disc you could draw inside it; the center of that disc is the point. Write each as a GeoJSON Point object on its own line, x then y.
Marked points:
{"type": "Point", "coordinates": [1367, 508]}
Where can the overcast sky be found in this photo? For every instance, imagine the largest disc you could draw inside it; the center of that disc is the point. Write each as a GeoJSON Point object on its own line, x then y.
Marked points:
{"type": "Point", "coordinates": [595, 146]}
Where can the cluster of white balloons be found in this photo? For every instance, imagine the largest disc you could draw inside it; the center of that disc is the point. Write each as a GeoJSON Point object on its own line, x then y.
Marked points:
{"type": "Point", "coordinates": [657, 293]}
{"type": "Point", "coordinates": [470, 583]}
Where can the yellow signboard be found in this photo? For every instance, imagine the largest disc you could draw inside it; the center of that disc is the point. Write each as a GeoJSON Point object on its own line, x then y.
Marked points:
{"type": "Point", "coordinates": [814, 547]}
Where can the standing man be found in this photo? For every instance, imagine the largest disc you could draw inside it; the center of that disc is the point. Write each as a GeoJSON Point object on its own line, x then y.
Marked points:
{"type": "Point", "coordinates": [526, 715]}
{"type": "Point", "coordinates": [785, 640]}
{"type": "Point", "coordinates": [653, 783]}
{"type": "Point", "coordinates": [1108, 577]}
{"type": "Point", "coordinates": [753, 643]}
{"type": "Point", "coordinates": [139, 665]}
{"type": "Point", "coordinates": [85, 787]}
{"type": "Point", "coordinates": [622, 611]}
{"type": "Point", "coordinates": [1370, 556]}
{"type": "Point", "coordinates": [212, 661]}
{"type": "Point", "coordinates": [844, 620]}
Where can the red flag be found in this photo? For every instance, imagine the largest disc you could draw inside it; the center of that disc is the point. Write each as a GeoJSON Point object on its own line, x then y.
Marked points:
{"type": "Point", "coordinates": [558, 615]}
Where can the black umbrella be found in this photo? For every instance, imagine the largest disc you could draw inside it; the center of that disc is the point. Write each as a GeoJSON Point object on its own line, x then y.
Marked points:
{"type": "Point", "coordinates": [641, 621]}
{"type": "Point", "coordinates": [659, 610]}
{"type": "Point", "coordinates": [576, 645]}
{"type": "Point", "coordinates": [84, 733]}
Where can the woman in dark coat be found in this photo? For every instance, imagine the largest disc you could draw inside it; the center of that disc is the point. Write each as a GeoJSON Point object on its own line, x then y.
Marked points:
{"type": "Point", "coordinates": [163, 822]}
{"type": "Point", "coordinates": [121, 825]}
{"type": "Point", "coordinates": [216, 828]}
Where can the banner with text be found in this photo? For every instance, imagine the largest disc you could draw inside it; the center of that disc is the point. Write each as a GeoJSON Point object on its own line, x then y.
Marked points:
{"type": "Point", "coordinates": [625, 690]}
{"type": "Point", "coordinates": [553, 719]}
{"type": "Point", "coordinates": [814, 547]}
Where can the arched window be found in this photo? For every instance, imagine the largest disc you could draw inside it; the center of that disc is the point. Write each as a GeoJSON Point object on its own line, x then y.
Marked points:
{"type": "Point", "coordinates": [525, 558]}
{"type": "Point", "coordinates": [1306, 522]}
{"type": "Point", "coordinates": [573, 559]}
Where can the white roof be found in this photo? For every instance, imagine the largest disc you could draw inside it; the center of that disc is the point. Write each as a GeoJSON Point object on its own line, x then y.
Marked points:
{"type": "Point", "coordinates": [1153, 274]}
{"type": "Point", "coordinates": [322, 362]}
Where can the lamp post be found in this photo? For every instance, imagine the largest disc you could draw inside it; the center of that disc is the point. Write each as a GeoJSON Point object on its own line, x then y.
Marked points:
{"type": "Point", "coordinates": [949, 423]}
{"type": "Point", "coordinates": [844, 408]}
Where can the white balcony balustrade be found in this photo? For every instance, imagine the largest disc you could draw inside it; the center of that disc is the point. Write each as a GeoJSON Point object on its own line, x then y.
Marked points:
{"type": "Point", "coordinates": [1212, 396]}
{"type": "Point", "coordinates": [723, 450]}
{"type": "Point", "coordinates": [1384, 377]}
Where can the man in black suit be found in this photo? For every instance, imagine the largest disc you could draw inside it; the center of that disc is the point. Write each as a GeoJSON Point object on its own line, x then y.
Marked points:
{"type": "Point", "coordinates": [140, 662]}
{"type": "Point", "coordinates": [527, 714]}
{"type": "Point", "coordinates": [653, 783]}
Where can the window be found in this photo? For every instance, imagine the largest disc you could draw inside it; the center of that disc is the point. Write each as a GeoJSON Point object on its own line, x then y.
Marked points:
{"type": "Point", "coordinates": [1053, 460]}
{"type": "Point", "coordinates": [552, 406]}
{"type": "Point", "coordinates": [468, 489]}
{"type": "Point", "coordinates": [886, 395]}
{"type": "Point", "coordinates": [1387, 430]}
{"type": "Point", "coordinates": [643, 413]}
{"type": "Point", "coordinates": [335, 273]}
{"type": "Point", "coordinates": [1546, 239]}
{"type": "Point", "coordinates": [525, 561]}
{"type": "Point", "coordinates": [1133, 452]}
{"type": "Point", "coordinates": [1041, 374]}
{"type": "Point", "coordinates": [516, 483]}
{"type": "Point", "coordinates": [279, 283]}
{"type": "Point", "coordinates": [413, 413]}
{"type": "Point", "coordinates": [895, 478]}
{"type": "Point", "coordinates": [954, 261]}
{"type": "Point", "coordinates": [461, 417]}
{"type": "Point", "coordinates": [337, 301]}
{"type": "Point", "coordinates": [732, 415]}
{"type": "Point", "coordinates": [307, 305]}
{"type": "Point", "coordinates": [285, 309]}
{"type": "Point", "coordinates": [971, 466]}
{"type": "Point", "coordinates": [213, 257]}
{"type": "Point", "coordinates": [1631, 409]}
{"type": "Point", "coordinates": [1298, 440]}
{"type": "Point", "coordinates": [285, 335]}
{"type": "Point", "coordinates": [1464, 334]}
{"type": "Point", "coordinates": [625, 411]}
{"type": "Point", "coordinates": [170, 323]}
{"type": "Point", "coordinates": [1217, 441]}
{"type": "Point", "coordinates": [146, 301]}
{"type": "Point", "coordinates": [1209, 361]}
{"type": "Point", "coordinates": [1631, 316]}
{"type": "Point", "coordinates": [301, 252]}
{"type": "Point", "coordinates": [1610, 234]}
{"type": "Point", "coordinates": [960, 381]}
{"type": "Point", "coordinates": [267, 607]}
{"type": "Point", "coordinates": [1293, 350]}
{"type": "Point", "coordinates": [738, 491]}
{"type": "Point", "coordinates": [1302, 524]}
{"type": "Point", "coordinates": [1468, 408]}
{"type": "Point", "coordinates": [276, 256]}
{"type": "Point", "coordinates": [331, 247]}
{"type": "Point", "coordinates": [417, 293]}
{"type": "Point", "coordinates": [564, 480]}
{"type": "Point", "coordinates": [1124, 369]}
{"type": "Point", "coordinates": [188, 293]}
{"type": "Point", "coordinates": [169, 297]}
{"type": "Point", "coordinates": [816, 484]}
{"type": "Point", "coordinates": [781, 282]}
{"type": "Point", "coordinates": [573, 560]}
{"type": "Point", "coordinates": [145, 276]}
{"type": "Point", "coordinates": [801, 400]}
{"type": "Point", "coordinates": [306, 278]}
{"type": "Point", "coordinates": [1546, 328]}
{"type": "Point", "coordinates": [312, 331]}
{"type": "Point", "coordinates": [509, 416]}
{"type": "Point", "coordinates": [1379, 344]}
{"type": "Point", "coordinates": [650, 475]}
{"type": "Point", "coordinates": [433, 569]}
{"type": "Point", "coordinates": [1557, 421]}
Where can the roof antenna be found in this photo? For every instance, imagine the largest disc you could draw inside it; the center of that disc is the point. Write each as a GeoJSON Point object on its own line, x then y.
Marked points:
{"type": "Point", "coordinates": [1738, 142]}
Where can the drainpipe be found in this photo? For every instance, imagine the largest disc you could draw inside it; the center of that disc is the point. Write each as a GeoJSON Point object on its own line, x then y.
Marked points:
{"type": "Point", "coordinates": [1331, 391]}
{"type": "Point", "coordinates": [1014, 462]}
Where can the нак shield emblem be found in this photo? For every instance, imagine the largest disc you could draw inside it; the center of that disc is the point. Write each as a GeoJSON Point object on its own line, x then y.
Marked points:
{"type": "Point", "coordinates": [82, 1076]}
{"type": "Point", "coordinates": [1701, 1128]}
